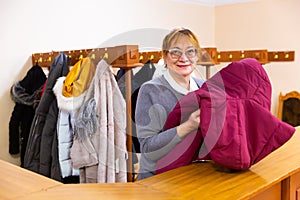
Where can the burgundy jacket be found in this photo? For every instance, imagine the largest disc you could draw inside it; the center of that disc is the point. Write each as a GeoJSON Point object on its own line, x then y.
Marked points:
{"type": "Point", "coordinates": [237, 128]}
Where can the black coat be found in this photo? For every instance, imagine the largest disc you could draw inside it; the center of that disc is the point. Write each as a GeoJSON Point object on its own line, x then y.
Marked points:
{"type": "Point", "coordinates": [24, 93]}
{"type": "Point", "coordinates": [41, 152]}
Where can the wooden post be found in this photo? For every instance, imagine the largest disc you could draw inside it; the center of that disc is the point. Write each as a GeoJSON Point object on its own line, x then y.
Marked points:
{"type": "Point", "coordinates": [128, 124]}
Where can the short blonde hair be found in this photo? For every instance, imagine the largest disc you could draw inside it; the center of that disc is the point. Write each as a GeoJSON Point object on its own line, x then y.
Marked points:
{"type": "Point", "coordinates": [174, 35]}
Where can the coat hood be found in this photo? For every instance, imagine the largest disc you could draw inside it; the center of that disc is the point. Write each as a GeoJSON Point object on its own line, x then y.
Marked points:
{"type": "Point", "coordinates": [24, 91]}
{"type": "Point", "coordinates": [79, 78]}
{"type": "Point", "coordinates": [34, 79]}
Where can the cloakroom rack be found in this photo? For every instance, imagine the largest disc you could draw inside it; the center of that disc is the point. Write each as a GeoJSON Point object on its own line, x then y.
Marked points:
{"type": "Point", "coordinates": [128, 57]}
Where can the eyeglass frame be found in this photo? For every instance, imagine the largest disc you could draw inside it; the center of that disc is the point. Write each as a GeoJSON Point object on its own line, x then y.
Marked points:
{"type": "Point", "coordinates": [181, 53]}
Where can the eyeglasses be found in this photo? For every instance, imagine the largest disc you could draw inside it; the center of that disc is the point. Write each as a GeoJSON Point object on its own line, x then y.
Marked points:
{"type": "Point", "coordinates": [177, 53]}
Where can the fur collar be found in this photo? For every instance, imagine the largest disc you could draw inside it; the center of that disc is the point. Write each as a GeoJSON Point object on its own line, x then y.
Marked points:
{"type": "Point", "coordinates": [67, 103]}
{"type": "Point", "coordinates": [19, 95]}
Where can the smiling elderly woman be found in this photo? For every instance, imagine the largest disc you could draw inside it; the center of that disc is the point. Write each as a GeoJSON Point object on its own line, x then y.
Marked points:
{"type": "Point", "coordinates": [158, 97]}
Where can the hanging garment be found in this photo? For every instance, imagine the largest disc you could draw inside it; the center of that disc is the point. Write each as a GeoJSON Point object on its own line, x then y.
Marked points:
{"type": "Point", "coordinates": [99, 145]}
{"type": "Point", "coordinates": [143, 75]}
{"type": "Point", "coordinates": [70, 92]}
{"type": "Point", "coordinates": [41, 152]}
{"type": "Point", "coordinates": [79, 78]}
{"type": "Point", "coordinates": [24, 93]}
{"type": "Point", "coordinates": [237, 128]}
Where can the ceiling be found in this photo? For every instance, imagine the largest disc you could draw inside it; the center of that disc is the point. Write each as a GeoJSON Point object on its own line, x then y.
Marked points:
{"type": "Point", "coordinates": [213, 3]}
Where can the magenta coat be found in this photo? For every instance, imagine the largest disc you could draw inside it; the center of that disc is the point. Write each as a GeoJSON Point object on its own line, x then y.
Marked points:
{"type": "Point", "coordinates": [237, 128]}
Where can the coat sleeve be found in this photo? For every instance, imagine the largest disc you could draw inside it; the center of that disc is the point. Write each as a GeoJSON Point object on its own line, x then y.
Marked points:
{"type": "Point", "coordinates": [185, 151]}
{"type": "Point", "coordinates": [47, 140]}
{"type": "Point", "coordinates": [14, 127]}
{"type": "Point", "coordinates": [150, 116]}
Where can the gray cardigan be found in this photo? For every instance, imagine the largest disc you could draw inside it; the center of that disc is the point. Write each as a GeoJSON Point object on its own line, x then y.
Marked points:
{"type": "Point", "coordinates": [155, 101]}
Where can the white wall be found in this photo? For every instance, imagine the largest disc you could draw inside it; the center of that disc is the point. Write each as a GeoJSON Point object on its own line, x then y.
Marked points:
{"type": "Point", "coordinates": [34, 26]}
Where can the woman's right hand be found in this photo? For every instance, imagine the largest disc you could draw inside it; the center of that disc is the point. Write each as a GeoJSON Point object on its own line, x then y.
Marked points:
{"type": "Point", "coordinates": [188, 126]}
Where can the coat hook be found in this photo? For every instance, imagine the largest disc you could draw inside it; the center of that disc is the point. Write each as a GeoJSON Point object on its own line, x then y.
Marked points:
{"type": "Point", "coordinates": [286, 56]}
{"type": "Point", "coordinates": [152, 57]}
{"type": "Point", "coordinates": [105, 56]}
{"type": "Point", "coordinates": [242, 54]}
{"type": "Point", "coordinates": [141, 57]}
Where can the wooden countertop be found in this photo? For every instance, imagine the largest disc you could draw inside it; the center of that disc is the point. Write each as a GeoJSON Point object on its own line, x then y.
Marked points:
{"type": "Point", "coordinates": [203, 179]}
{"type": "Point", "coordinates": [196, 181]}
{"type": "Point", "coordinates": [16, 181]}
{"type": "Point", "coordinates": [111, 191]}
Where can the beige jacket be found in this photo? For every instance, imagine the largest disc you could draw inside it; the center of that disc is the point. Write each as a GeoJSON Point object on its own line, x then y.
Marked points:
{"type": "Point", "coordinates": [101, 155]}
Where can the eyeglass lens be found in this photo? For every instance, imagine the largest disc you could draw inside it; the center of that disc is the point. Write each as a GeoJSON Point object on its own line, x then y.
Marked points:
{"type": "Point", "coordinates": [177, 53]}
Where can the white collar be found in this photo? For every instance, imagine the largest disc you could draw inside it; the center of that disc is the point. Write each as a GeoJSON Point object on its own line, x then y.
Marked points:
{"type": "Point", "coordinates": [177, 87]}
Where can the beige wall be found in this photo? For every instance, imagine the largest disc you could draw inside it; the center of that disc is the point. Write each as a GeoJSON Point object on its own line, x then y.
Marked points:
{"type": "Point", "coordinates": [264, 24]}
{"type": "Point", "coordinates": [40, 26]}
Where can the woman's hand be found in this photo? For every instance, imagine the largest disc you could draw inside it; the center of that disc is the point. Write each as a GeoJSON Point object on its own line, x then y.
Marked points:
{"type": "Point", "coordinates": [188, 126]}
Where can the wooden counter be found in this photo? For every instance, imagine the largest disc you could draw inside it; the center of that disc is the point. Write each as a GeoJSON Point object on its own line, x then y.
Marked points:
{"type": "Point", "coordinates": [16, 181]}
{"type": "Point", "coordinates": [113, 191]}
{"type": "Point", "coordinates": [279, 170]}
{"type": "Point", "coordinates": [275, 177]}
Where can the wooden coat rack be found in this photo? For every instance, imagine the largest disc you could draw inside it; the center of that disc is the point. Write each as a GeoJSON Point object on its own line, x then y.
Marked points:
{"type": "Point", "coordinates": [209, 56]}
{"type": "Point", "coordinates": [128, 57]}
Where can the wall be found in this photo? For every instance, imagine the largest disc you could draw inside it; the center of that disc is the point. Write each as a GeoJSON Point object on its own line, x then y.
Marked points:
{"type": "Point", "coordinates": [34, 26]}
{"type": "Point", "coordinates": [264, 24]}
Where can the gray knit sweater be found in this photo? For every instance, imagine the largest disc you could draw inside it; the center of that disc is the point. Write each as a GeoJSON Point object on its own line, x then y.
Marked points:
{"type": "Point", "coordinates": [155, 101]}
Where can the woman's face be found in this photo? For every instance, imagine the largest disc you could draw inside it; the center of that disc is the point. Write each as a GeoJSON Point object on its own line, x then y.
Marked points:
{"type": "Point", "coordinates": [181, 58]}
